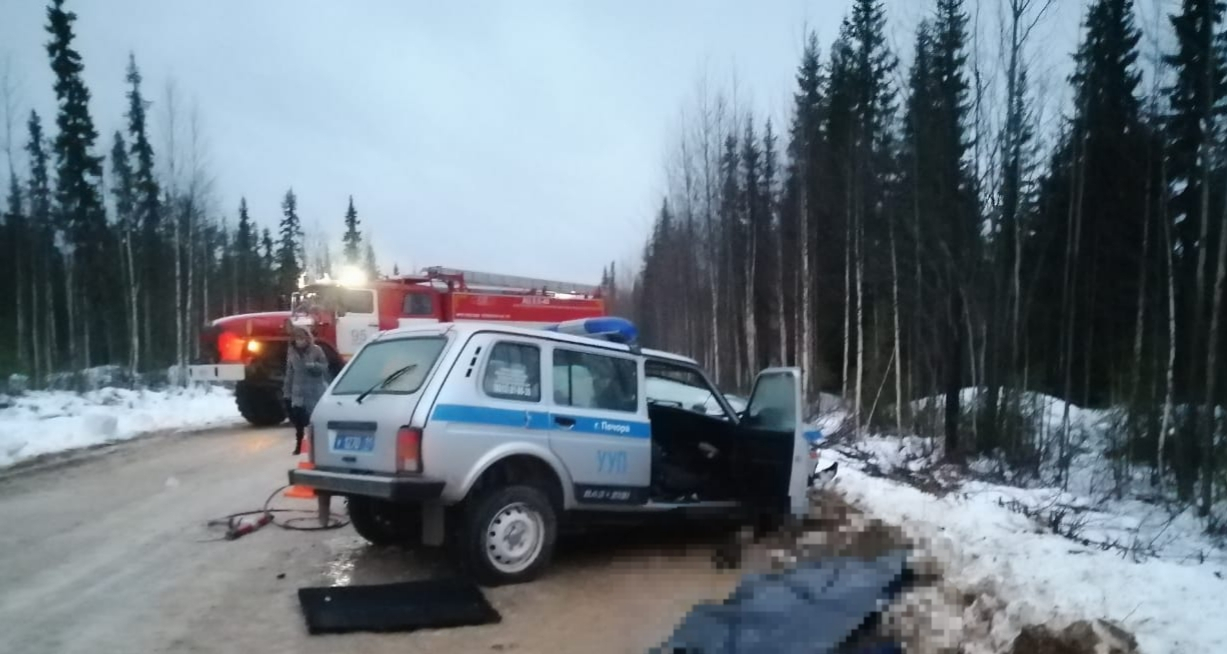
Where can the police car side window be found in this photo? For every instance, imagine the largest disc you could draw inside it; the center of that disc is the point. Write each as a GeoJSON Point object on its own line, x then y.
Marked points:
{"type": "Point", "coordinates": [513, 372]}
{"type": "Point", "coordinates": [594, 381]}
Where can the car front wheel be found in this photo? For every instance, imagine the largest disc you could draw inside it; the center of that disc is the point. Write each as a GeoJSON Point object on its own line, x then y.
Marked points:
{"type": "Point", "coordinates": [509, 535]}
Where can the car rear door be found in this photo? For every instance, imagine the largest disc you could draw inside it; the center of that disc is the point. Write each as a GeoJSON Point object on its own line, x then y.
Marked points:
{"type": "Point", "coordinates": [771, 448]}
{"type": "Point", "coordinates": [598, 423]}
{"type": "Point", "coordinates": [355, 424]}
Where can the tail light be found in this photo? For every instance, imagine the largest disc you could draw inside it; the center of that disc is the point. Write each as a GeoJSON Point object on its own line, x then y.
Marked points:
{"type": "Point", "coordinates": [308, 436]}
{"type": "Point", "coordinates": [409, 450]}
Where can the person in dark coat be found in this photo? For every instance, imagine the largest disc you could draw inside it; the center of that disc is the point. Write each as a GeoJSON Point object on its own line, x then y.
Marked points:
{"type": "Point", "coordinates": [306, 378]}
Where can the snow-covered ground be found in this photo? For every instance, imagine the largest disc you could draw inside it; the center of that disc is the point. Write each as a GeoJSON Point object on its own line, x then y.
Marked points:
{"type": "Point", "coordinates": [44, 422]}
{"type": "Point", "coordinates": [1050, 556]}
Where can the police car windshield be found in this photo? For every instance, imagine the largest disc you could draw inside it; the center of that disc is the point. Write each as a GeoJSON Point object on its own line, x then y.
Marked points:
{"type": "Point", "coordinates": [681, 387]}
{"type": "Point", "coordinates": [377, 361]}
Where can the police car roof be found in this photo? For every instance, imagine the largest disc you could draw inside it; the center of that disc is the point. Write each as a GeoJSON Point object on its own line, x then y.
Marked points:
{"type": "Point", "coordinates": [470, 328]}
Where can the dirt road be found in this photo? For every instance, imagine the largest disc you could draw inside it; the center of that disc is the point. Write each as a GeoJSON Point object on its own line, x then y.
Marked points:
{"type": "Point", "coordinates": [107, 553]}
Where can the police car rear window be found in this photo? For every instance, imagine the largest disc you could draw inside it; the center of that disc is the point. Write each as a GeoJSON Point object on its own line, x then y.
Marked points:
{"type": "Point", "coordinates": [513, 372]}
{"type": "Point", "coordinates": [380, 360]}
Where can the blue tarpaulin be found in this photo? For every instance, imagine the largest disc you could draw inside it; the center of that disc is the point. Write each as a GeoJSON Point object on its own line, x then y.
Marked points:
{"type": "Point", "coordinates": [814, 608]}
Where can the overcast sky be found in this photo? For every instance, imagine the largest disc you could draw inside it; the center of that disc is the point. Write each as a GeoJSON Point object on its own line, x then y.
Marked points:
{"type": "Point", "coordinates": [523, 137]}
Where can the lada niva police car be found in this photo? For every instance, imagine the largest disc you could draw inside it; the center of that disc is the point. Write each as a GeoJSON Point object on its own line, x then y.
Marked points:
{"type": "Point", "coordinates": [491, 436]}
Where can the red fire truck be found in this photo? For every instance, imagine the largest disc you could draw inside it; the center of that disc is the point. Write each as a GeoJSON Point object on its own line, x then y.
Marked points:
{"type": "Point", "coordinates": [249, 349]}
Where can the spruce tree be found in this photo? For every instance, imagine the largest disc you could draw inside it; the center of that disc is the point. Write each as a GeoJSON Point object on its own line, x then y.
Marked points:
{"type": "Point", "coordinates": [124, 195]}
{"type": "Point", "coordinates": [1196, 101]}
{"type": "Point", "coordinates": [245, 257]}
{"type": "Point", "coordinates": [268, 272]}
{"type": "Point", "coordinates": [42, 233]}
{"type": "Point", "coordinates": [800, 209]}
{"type": "Point", "coordinates": [368, 265]}
{"type": "Point", "coordinates": [78, 176]}
{"type": "Point", "coordinates": [956, 195]}
{"type": "Point", "coordinates": [352, 239]}
{"type": "Point", "coordinates": [147, 208]}
{"type": "Point", "coordinates": [289, 248]}
{"type": "Point", "coordinates": [121, 182]}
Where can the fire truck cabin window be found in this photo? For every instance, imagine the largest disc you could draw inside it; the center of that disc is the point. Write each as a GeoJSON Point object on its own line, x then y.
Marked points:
{"type": "Point", "coordinates": [419, 304]}
{"type": "Point", "coordinates": [358, 300]}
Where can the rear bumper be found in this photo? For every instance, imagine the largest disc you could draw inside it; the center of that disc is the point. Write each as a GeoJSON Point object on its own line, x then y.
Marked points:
{"type": "Point", "coordinates": [398, 489]}
{"type": "Point", "coordinates": [217, 372]}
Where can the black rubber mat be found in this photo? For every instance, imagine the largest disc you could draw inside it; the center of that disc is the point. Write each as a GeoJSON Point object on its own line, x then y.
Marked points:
{"type": "Point", "coordinates": [429, 604]}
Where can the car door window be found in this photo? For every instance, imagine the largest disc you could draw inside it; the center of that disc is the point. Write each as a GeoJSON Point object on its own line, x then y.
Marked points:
{"type": "Point", "coordinates": [358, 301]}
{"type": "Point", "coordinates": [773, 404]}
{"type": "Point", "coordinates": [683, 387]}
{"type": "Point", "coordinates": [595, 381]}
{"type": "Point", "coordinates": [513, 372]}
{"type": "Point", "coordinates": [418, 305]}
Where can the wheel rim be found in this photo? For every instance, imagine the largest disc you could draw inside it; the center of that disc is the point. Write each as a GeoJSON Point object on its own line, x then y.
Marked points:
{"type": "Point", "coordinates": [514, 538]}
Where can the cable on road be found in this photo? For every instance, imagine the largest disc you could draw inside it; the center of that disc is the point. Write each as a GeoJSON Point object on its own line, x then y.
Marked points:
{"type": "Point", "coordinates": [236, 527]}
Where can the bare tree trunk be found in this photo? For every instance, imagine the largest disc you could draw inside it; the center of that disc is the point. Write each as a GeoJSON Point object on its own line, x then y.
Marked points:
{"type": "Point", "coordinates": [860, 317]}
{"type": "Point", "coordinates": [751, 332]}
{"type": "Point", "coordinates": [51, 343]}
{"type": "Point", "coordinates": [134, 346]}
{"type": "Point", "coordinates": [849, 261]}
{"type": "Point", "coordinates": [780, 315]}
{"type": "Point", "coordinates": [36, 314]}
{"type": "Point", "coordinates": [70, 301]}
{"type": "Point", "coordinates": [713, 240]}
{"type": "Point", "coordinates": [1205, 162]}
{"type": "Point", "coordinates": [1071, 254]}
{"type": "Point", "coordinates": [179, 303]}
{"type": "Point", "coordinates": [1208, 457]}
{"type": "Point", "coordinates": [1139, 323]}
{"type": "Point", "coordinates": [805, 309]}
{"type": "Point", "coordinates": [1170, 370]}
{"type": "Point", "coordinates": [25, 351]}
{"type": "Point", "coordinates": [894, 287]}
{"type": "Point", "coordinates": [19, 281]}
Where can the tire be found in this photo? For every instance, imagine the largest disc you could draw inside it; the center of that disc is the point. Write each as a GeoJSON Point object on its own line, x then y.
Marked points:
{"type": "Point", "coordinates": [385, 523]}
{"type": "Point", "coordinates": [508, 535]}
{"type": "Point", "coordinates": [261, 406]}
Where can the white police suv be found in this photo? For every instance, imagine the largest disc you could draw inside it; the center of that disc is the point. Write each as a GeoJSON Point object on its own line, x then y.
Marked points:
{"type": "Point", "coordinates": [491, 435]}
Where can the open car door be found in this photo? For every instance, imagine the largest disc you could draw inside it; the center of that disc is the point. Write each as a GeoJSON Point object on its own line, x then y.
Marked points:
{"type": "Point", "coordinates": [771, 449]}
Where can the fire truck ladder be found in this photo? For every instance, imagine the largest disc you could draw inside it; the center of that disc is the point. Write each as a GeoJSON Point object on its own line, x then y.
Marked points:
{"type": "Point", "coordinates": [476, 278]}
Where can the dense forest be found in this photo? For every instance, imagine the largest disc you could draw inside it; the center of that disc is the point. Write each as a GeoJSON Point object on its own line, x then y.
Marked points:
{"type": "Point", "coordinates": [909, 234]}
{"type": "Point", "coordinates": [114, 251]}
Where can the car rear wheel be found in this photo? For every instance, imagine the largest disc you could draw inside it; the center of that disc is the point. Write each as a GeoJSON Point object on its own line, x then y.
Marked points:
{"type": "Point", "coordinates": [509, 535]}
{"type": "Point", "coordinates": [385, 523]}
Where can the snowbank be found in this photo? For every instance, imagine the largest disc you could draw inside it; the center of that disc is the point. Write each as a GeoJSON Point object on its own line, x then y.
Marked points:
{"type": "Point", "coordinates": [1046, 549]}
{"type": "Point", "coordinates": [1052, 557]}
{"type": "Point", "coordinates": [44, 422]}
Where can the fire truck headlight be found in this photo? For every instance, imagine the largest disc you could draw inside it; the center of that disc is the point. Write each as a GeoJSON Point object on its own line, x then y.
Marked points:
{"type": "Point", "coordinates": [254, 347]}
{"type": "Point", "coordinates": [352, 276]}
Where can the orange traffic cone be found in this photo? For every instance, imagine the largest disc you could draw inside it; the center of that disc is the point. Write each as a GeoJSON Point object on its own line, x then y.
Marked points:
{"type": "Point", "coordinates": [303, 492]}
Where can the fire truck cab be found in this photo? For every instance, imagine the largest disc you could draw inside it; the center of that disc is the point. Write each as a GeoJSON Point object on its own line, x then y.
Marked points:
{"type": "Point", "coordinates": [343, 314]}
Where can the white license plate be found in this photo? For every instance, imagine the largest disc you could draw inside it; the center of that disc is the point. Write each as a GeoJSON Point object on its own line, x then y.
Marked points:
{"type": "Point", "coordinates": [343, 442]}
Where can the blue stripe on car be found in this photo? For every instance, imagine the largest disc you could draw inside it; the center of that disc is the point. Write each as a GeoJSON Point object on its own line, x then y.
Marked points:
{"type": "Point", "coordinates": [480, 415]}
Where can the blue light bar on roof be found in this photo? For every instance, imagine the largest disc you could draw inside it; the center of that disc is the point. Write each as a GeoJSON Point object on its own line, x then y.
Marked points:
{"type": "Point", "coordinates": [610, 328]}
